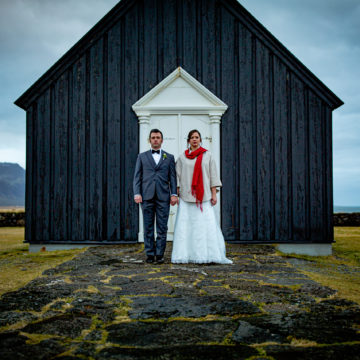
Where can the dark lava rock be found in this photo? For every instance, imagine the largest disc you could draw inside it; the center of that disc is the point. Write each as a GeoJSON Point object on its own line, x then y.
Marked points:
{"type": "Point", "coordinates": [249, 334]}
{"type": "Point", "coordinates": [325, 352]}
{"type": "Point", "coordinates": [110, 261]}
{"type": "Point", "coordinates": [317, 290]}
{"type": "Point", "coordinates": [324, 327]}
{"type": "Point", "coordinates": [68, 325]}
{"type": "Point", "coordinates": [189, 352]}
{"type": "Point", "coordinates": [58, 305]}
{"type": "Point", "coordinates": [232, 306]}
{"type": "Point", "coordinates": [119, 281]}
{"type": "Point", "coordinates": [85, 349]}
{"type": "Point", "coordinates": [252, 287]}
{"type": "Point", "coordinates": [145, 288]}
{"type": "Point", "coordinates": [128, 269]}
{"type": "Point", "coordinates": [93, 306]}
{"type": "Point", "coordinates": [212, 291]}
{"type": "Point", "coordinates": [13, 346]}
{"type": "Point", "coordinates": [339, 302]}
{"type": "Point", "coordinates": [12, 317]}
{"type": "Point", "coordinates": [247, 276]}
{"type": "Point", "coordinates": [289, 281]}
{"type": "Point", "coordinates": [168, 333]}
{"type": "Point", "coordinates": [11, 339]}
{"type": "Point", "coordinates": [28, 299]}
{"type": "Point", "coordinates": [36, 294]}
{"type": "Point", "coordinates": [255, 249]}
{"type": "Point", "coordinates": [94, 335]}
{"type": "Point", "coordinates": [164, 307]}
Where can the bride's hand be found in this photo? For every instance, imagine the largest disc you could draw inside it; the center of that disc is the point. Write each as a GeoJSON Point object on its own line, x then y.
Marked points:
{"type": "Point", "coordinates": [213, 200]}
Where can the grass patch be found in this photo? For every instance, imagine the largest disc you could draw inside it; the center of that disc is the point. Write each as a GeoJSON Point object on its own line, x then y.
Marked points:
{"type": "Point", "coordinates": [11, 240]}
{"type": "Point", "coordinates": [341, 270]}
{"type": "Point", "coordinates": [347, 244]}
{"type": "Point", "coordinates": [18, 266]}
{"type": "Point", "coordinates": [8, 209]}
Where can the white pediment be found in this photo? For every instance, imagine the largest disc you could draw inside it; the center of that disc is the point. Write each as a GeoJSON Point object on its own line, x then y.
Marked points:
{"type": "Point", "coordinates": [179, 92]}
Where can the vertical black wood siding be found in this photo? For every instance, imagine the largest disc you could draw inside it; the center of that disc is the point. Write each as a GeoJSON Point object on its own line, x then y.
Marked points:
{"type": "Point", "coordinates": [82, 136]}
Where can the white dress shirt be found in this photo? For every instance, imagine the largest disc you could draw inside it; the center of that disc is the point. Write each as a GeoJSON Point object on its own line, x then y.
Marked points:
{"type": "Point", "coordinates": [156, 156]}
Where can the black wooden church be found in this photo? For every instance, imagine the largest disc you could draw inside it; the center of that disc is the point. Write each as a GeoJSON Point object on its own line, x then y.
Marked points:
{"type": "Point", "coordinates": [83, 134]}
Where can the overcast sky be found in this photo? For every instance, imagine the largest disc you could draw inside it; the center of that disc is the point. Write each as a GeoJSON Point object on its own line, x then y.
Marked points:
{"type": "Point", "coordinates": [323, 34]}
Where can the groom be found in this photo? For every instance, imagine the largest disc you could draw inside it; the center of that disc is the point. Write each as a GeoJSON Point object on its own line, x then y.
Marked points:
{"type": "Point", "coordinates": [155, 189]}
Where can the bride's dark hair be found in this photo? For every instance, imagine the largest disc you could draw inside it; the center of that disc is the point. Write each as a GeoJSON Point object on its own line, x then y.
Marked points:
{"type": "Point", "coordinates": [191, 134]}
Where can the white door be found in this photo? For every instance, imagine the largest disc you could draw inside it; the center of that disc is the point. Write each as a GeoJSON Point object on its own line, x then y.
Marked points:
{"type": "Point", "coordinates": [175, 129]}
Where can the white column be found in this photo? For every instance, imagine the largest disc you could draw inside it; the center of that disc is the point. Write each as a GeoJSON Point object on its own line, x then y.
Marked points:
{"type": "Point", "coordinates": [144, 129]}
{"type": "Point", "coordinates": [215, 120]}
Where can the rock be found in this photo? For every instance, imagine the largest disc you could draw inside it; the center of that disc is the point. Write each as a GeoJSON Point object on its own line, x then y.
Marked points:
{"type": "Point", "coordinates": [94, 335]}
{"type": "Point", "coordinates": [145, 287]}
{"type": "Point", "coordinates": [163, 307]}
{"type": "Point", "coordinates": [67, 325]}
{"type": "Point", "coordinates": [12, 317]}
{"type": "Point", "coordinates": [249, 334]}
{"type": "Point", "coordinates": [317, 290]}
{"type": "Point", "coordinates": [186, 352]}
{"type": "Point", "coordinates": [169, 333]}
{"type": "Point", "coordinates": [325, 352]}
{"type": "Point", "coordinates": [323, 326]}
{"type": "Point", "coordinates": [14, 346]}
{"type": "Point", "coordinates": [93, 306]}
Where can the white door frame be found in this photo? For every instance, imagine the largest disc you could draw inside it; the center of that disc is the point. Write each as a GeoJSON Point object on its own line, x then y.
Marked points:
{"type": "Point", "coordinates": [204, 103]}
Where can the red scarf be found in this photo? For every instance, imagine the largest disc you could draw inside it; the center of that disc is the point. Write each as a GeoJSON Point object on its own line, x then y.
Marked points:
{"type": "Point", "coordinates": [197, 185]}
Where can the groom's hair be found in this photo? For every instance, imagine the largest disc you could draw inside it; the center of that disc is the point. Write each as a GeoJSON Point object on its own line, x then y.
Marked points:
{"type": "Point", "coordinates": [156, 131]}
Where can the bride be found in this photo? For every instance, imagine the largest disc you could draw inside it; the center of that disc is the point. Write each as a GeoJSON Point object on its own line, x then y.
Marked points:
{"type": "Point", "coordinates": [197, 235]}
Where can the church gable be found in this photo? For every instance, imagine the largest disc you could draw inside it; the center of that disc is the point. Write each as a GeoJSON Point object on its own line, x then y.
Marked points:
{"type": "Point", "coordinates": [179, 90]}
{"type": "Point", "coordinates": [179, 27]}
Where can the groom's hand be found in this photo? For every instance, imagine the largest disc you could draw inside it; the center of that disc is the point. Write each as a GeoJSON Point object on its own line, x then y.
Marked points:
{"type": "Point", "coordinates": [138, 199]}
{"type": "Point", "coordinates": [173, 200]}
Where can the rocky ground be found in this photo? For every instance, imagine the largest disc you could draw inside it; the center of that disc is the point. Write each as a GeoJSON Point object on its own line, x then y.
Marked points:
{"type": "Point", "coordinates": [108, 304]}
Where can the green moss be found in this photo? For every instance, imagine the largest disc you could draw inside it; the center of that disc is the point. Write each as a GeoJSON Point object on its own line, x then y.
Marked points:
{"type": "Point", "coordinates": [37, 338]}
{"type": "Point", "coordinates": [262, 355]}
{"type": "Point", "coordinates": [228, 339]}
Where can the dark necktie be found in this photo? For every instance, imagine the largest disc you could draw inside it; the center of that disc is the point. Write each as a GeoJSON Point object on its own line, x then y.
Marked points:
{"type": "Point", "coordinates": [155, 151]}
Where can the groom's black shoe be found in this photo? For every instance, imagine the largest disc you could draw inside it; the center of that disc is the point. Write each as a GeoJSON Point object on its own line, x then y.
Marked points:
{"type": "Point", "coordinates": [150, 259]}
{"type": "Point", "coordinates": [159, 259]}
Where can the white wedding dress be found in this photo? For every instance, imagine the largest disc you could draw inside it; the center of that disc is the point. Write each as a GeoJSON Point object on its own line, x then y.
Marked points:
{"type": "Point", "coordinates": [197, 235]}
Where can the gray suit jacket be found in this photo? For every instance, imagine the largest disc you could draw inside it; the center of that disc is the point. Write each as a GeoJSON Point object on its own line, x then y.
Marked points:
{"type": "Point", "coordinates": [151, 179]}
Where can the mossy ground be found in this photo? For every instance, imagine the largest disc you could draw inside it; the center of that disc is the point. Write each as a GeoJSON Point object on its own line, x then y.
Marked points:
{"type": "Point", "coordinates": [107, 303]}
{"type": "Point", "coordinates": [341, 270]}
{"type": "Point", "coordinates": [18, 266]}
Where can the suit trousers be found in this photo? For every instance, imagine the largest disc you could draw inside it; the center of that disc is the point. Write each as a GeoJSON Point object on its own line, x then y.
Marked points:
{"type": "Point", "coordinates": [155, 209]}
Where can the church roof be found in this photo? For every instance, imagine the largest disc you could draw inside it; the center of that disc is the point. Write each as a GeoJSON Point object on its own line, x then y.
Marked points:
{"type": "Point", "coordinates": [233, 6]}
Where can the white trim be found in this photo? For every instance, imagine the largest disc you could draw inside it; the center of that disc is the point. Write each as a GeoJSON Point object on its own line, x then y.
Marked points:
{"type": "Point", "coordinates": [152, 110]}
{"type": "Point", "coordinates": [214, 110]}
{"type": "Point", "coordinates": [217, 105]}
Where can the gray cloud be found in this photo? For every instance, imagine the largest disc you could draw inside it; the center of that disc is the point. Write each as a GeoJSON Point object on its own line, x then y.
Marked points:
{"type": "Point", "coordinates": [34, 34]}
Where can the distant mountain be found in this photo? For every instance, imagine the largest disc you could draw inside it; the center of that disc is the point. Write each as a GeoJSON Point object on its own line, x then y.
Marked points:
{"type": "Point", "coordinates": [12, 184]}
